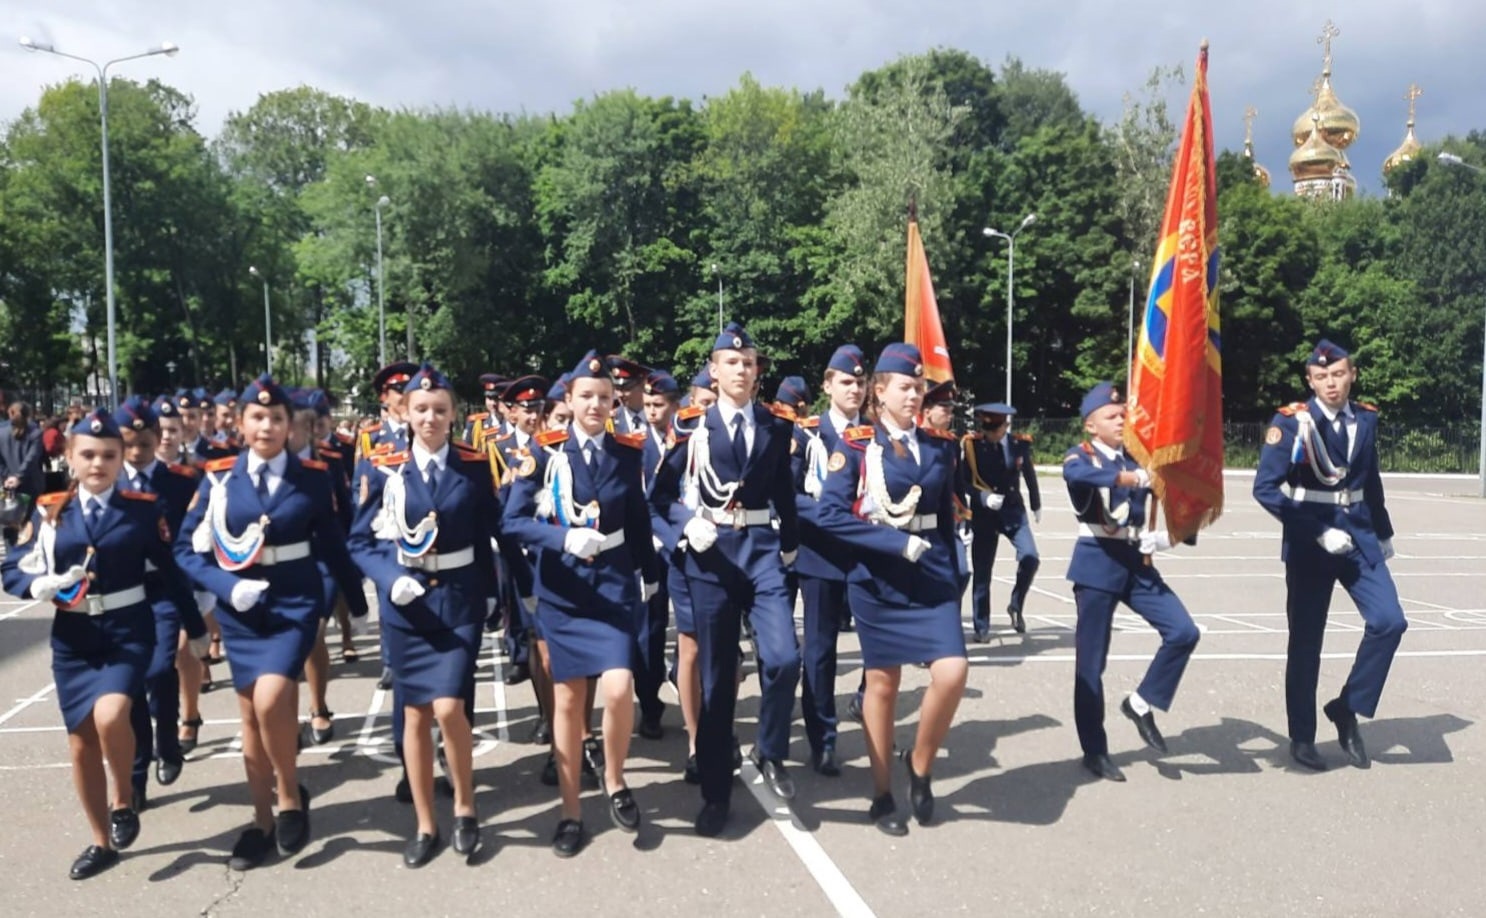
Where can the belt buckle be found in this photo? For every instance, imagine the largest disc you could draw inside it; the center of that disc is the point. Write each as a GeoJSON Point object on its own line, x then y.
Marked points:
{"type": "Point", "coordinates": [95, 605]}
{"type": "Point", "coordinates": [1344, 499]}
{"type": "Point", "coordinates": [419, 563]}
{"type": "Point", "coordinates": [740, 518]}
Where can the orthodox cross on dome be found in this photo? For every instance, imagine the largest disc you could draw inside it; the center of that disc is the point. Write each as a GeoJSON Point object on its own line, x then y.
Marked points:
{"type": "Point", "coordinates": [1328, 32]}
{"type": "Point", "coordinates": [1249, 114]}
{"type": "Point", "coordinates": [1414, 93]}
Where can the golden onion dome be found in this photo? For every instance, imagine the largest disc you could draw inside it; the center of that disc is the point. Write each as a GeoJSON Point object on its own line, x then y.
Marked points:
{"type": "Point", "coordinates": [1410, 146]}
{"type": "Point", "coordinates": [1315, 158]}
{"type": "Point", "coordinates": [1339, 125]}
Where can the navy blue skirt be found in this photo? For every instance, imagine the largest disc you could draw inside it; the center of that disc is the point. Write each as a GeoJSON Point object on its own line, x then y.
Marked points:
{"type": "Point", "coordinates": [581, 644]}
{"type": "Point", "coordinates": [93, 656]}
{"type": "Point", "coordinates": [686, 622]}
{"type": "Point", "coordinates": [892, 635]}
{"type": "Point", "coordinates": [272, 639]}
{"type": "Point", "coordinates": [433, 664]}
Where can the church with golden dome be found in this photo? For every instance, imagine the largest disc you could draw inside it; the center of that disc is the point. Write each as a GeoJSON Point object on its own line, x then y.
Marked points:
{"type": "Point", "coordinates": [1321, 135]}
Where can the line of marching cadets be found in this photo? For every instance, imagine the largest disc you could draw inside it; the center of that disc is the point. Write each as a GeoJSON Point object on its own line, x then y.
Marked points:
{"type": "Point", "coordinates": [582, 515]}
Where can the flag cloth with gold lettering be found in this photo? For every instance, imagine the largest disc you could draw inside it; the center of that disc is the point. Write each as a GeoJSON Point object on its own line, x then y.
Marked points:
{"type": "Point", "coordinates": [921, 326]}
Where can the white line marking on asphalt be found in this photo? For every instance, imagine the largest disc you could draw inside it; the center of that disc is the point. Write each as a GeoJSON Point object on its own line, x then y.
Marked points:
{"type": "Point", "coordinates": [6, 616]}
{"type": "Point", "coordinates": [498, 692]}
{"type": "Point", "coordinates": [844, 897]}
{"type": "Point", "coordinates": [25, 703]}
{"type": "Point", "coordinates": [1229, 657]}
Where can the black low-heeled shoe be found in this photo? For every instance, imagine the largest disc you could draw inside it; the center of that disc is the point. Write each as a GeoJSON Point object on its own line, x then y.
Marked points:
{"type": "Point", "coordinates": [920, 791]}
{"type": "Point", "coordinates": [623, 810]}
{"type": "Point", "coordinates": [319, 736]}
{"type": "Point", "coordinates": [123, 828]}
{"type": "Point", "coordinates": [466, 835]}
{"type": "Point", "coordinates": [421, 849]}
{"type": "Point", "coordinates": [292, 827]}
{"type": "Point", "coordinates": [93, 861]}
{"type": "Point", "coordinates": [188, 743]}
{"type": "Point", "coordinates": [251, 849]}
{"type": "Point", "coordinates": [884, 815]}
{"type": "Point", "coordinates": [569, 838]}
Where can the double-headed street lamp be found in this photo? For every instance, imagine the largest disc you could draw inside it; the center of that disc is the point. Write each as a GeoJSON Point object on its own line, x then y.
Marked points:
{"type": "Point", "coordinates": [383, 201]}
{"type": "Point", "coordinates": [1450, 159]}
{"type": "Point", "coordinates": [1010, 238]}
{"type": "Point", "coordinates": [267, 321]}
{"type": "Point", "coordinates": [168, 49]}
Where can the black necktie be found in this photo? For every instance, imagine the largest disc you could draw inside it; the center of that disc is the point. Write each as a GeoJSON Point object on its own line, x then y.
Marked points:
{"type": "Point", "coordinates": [1334, 435]}
{"type": "Point", "coordinates": [262, 486]}
{"type": "Point", "coordinates": [92, 513]}
{"type": "Point", "coordinates": [431, 476]}
{"type": "Point", "coordinates": [141, 483]}
{"type": "Point", "coordinates": [904, 439]}
{"type": "Point", "coordinates": [740, 443]}
{"type": "Point", "coordinates": [591, 458]}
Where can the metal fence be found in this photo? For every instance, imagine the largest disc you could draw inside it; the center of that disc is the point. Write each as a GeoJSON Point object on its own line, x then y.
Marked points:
{"type": "Point", "coordinates": [1401, 448]}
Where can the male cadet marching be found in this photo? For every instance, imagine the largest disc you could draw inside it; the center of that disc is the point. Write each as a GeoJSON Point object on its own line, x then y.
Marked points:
{"type": "Point", "coordinates": [824, 559]}
{"type": "Point", "coordinates": [1112, 563]}
{"type": "Point", "coordinates": [192, 403]}
{"type": "Point", "coordinates": [733, 475]}
{"type": "Point", "coordinates": [223, 442]}
{"type": "Point", "coordinates": [525, 401]}
{"type": "Point", "coordinates": [492, 420]}
{"type": "Point", "coordinates": [994, 459]}
{"type": "Point", "coordinates": [390, 435]}
{"type": "Point", "coordinates": [629, 387]}
{"type": "Point", "coordinates": [1318, 475]}
{"type": "Point", "coordinates": [662, 399]}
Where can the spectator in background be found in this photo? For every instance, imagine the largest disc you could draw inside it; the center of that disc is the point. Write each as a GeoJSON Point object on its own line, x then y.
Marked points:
{"type": "Point", "coordinates": [20, 458]}
{"type": "Point", "coordinates": [54, 455]}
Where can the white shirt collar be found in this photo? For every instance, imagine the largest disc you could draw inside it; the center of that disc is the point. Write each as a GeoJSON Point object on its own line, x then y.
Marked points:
{"type": "Point", "coordinates": [522, 437]}
{"type": "Point", "coordinates": [84, 496]}
{"type": "Point", "coordinates": [276, 465]}
{"type": "Point", "coordinates": [841, 422]}
{"type": "Point", "coordinates": [1107, 452]}
{"type": "Point", "coordinates": [728, 412]}
{"type": "Point", "coordinates": [582, 439]}
{"type": "Point", "coordinates": [131, 473]}
{"type": "Point", "coordinates": [1345, 412]}
{"type": "Point", "coordinates": [421, 457]}
{"type": "Point", "coordinates": [895, 432]}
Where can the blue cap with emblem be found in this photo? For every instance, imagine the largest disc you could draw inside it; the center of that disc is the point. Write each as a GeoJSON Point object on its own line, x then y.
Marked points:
{"type": "Point", "coordinates": [264, 391]}
{"type": "Point", "coordinates": [626, 372]}
{"type": "Point", "coordinates": [426, 379]}
{"type": "Point", "coordinates": [1104, 393]}
{"type": "Point", "coordinates": [527, 391]}
{"type": "Point", "coordinates": [318, 401]}
{"type": "Point", "coordinates": [793, 392]}
{"type": "Point", "coordinates": [732, 337]}
{"type": "Point", "coordinates": [97, 423]}
{"type": "Point", "coordinates": [136, 414]}
{"type": "Point", "coordinates": [491, 384]}
{"type": "Point", "coordinates": [941, 393]}
{"type": "Point", "coordinates": [659, 382]}
{"type": "Point", "coordinates": [202, 397]}
{"type": "Point", "coordinates": [559, 389]}
{"type": "Point", "coordinates": [995, 408]}
{"type": "Point", "coordinates": [848, 359]}
{"type": "Point", "coordinates": [165, 407]}
{"type": "Point", "coordinates": [393, 376]}
{"type": "Point", "coordinates": [703, 379]}
{"type": "Point", "coordinates": [225, 399]}
{"type": "Point", "coordinates": [900, 358]}
{"type": "Point", "coordinates": [592, 366]}
{"type": "Point", "coordinates": [1325, 353]}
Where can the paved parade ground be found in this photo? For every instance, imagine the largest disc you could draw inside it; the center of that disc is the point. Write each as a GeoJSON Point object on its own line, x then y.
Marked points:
{"type": "Point", "coordinates": [1222, 825]}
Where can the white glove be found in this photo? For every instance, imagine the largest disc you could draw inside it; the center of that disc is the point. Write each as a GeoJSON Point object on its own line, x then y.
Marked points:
{"type": "Point", "coordinates": [247, 593]}
{"type": "Point", "coordinates": [915, 548]}
{"type": "Point", "coordinates": [1387, 546]}
{"type": "Point", "coordinates": [992, 500]}
{"type": "Point", "coordinates": [47, 586]}
{"type": "Point", "coordinates": [1037, 516]}
{"type": "Point", "coordinates": [648, 591]}
{"type": "Point", "coordinates": [201, 647]}
{"type": "Point", "coordinates": [582, 543]}
{"type": "Point", "coordinates": [1154, 540]}
{"type": "Point", "coordinates": [966, 535]}
{"type": "Point", "coordinates": [1142, 478]}
{"type": "Point", "coordinates": [205, 601]}
{"type": "Point", "coordinates": [659, 545]}
{"type": "Point", "coordinates": [788, 557]}
{"type": "Point", "coordinates": [700, 534]}
{"type": "Point", "coordinates": [356, 625]}
{"type": "Point", "coordinates": [529, 603]}
{"type": "Point", "coordinates": [404, 590]}
{"type": "Point", "coordinates": [1336, 541]}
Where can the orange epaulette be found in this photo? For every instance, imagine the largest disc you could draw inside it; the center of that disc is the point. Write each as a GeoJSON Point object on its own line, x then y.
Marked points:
{"type": "Point", "coordinates": [315, 464]}
{"type": "Point", "coordinates": [385, 459]}
{"type": "Point", "coordinates": [1368, 407]}
{"type": "Point", "coordinates": [224, 464]}
{"type": "Point", "coordinates": [185, 471]}
{"type": "Point", "coordinates": [859, 434]}
{"type": "Point", "coordinates": [783, 411]}
{"type": "Point", "coordinates": [370, 425]}
{"type": "Point", "coordinates": [467, 454]}
{"type": "Point", "coordinates": [149, 497]}
{"type": "Point", "coordinates": [809, 423]}
{"type": "Point", "coordinates": [690, 412]}
{"type": "Point", "coordinates": [1022, 437]}
{"type": "Point", "coordinates": [53, 499]}
{"type": "Point", "coordinates": [632, 440]}
{"type": "Point", "coordinates": [938, 434]}
{"type": "Point", "coordinates": [551, 437]}
{"type": "Point", "coordinates": [329, 453]}
{"type": "Point", "coordinates": [478, 416]}
{"type": "Point", "coordinates": [1290, 409]}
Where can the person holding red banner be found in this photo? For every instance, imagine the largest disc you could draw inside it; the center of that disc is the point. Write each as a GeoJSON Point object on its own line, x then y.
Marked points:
{"type": "Point", "coordinates": [1111, 564]}
{"type": "Point", "coordinates": [1318, 475]}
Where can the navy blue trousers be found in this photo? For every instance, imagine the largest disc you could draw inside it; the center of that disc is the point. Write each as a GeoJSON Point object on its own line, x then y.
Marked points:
{"type": "Point", "coordinates": [153, 717]}
{"type": "Point", "coordinates": [825, 610]}
{"type": "Point", "coordinates": [515, 641]}
{"type": "Point", "coordinates": [983, 556]}
{"type": "Point", "coordinates": [1151, 599]}
{"type": "Point", "coordinates": [1310, 587]}
{"type": "Point", "coordinates": [650, 674]}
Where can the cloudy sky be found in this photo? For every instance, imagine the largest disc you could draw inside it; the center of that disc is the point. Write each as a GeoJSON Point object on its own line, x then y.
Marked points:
{"type": "Point", "coordinates": [535, 56]}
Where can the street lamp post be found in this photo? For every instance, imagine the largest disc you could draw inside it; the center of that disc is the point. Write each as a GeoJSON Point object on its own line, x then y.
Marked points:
{"type": "Point", "coordinates": [169, 49]}
{"type": "Point", "coordinates": [1010, 238]}
{"type": "Point", "coordinates": [382, 202]}
{"type": "Point", "coordinates": [717, 274]}
{"type": "Point", "coordinates": [267, 322]}
{"type": "Point", "coordinates": [1450, 159]}
{"type": "Point", "coordinates": [1130, 325]}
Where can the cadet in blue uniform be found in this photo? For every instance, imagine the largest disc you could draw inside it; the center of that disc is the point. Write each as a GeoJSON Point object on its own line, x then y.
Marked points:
{"type": "Point", "coordinates": [153, 715]}
{"type": "Point", "coordinates": [490, 421]}
{"type": "Point", "coordinates": [423, 531]}
{"type": "Point", "coordinates": [390, 434]}
{"type": "Point", "coordinates": [723, 492]}
{"type": "Point", "coordinates": [824, 559]}
{"type": "Point", "coordinates": [223, 442]}
{"type": "Point", "coordinates": [1318, 475]}
{"type": "Point", "coordinates": [629, 389]}
{"type": "Point", "coordinates": [889, 495]}
{"type": "Point", "coordinates": [86, 551]}
{"type": "Point", "coordinates": [582, 507]}
{"type": "Point", "coordinates": [524, 400]}
{"type": "Point", "coordinates": [994, 461]}
{"type": "Point", "coordinates": [1111, 564]}
{"type": "Point", "coordinates": [662, 399]}
{"type": "Point", "coordinates": [252, 536]}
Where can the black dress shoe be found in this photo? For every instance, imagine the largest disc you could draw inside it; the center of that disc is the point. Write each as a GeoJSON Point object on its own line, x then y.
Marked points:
{"type": "Point", "coordinates": [712, 819]}
{"type": "Point", "coordinates": [982, 635]}
{"type": "Point", "coordinates": [252, 849]}
{"type": "Point", "coordinates": [593, 763]}
{"type": "Point", "coordinates": [1145, 725]}
{"type": "Point", "coordinates": [139, 799]}
{"type": "Point", "coordinates": [466, 837]}
{"type": "Point", "coordinates": [825, 763]}
{"type": "Point", "coordinates": [421, 849]}
{"type": "Point", "coordinates": [569, 838]}
{"type": "Point", "coordinates": [651, 729]}
{"type": "Point", "coordinates": [188, 743]}
{"type": "Point", "coordinates": [123, 828]}
{"type": "Point", "coordinates": [854, 708]}
{"type": "Point", "coordinates": [775, 776]}
{"type": "Point", "coordinates": [920, 791]}
{"type": "Point", "coordinates": [384, 681]}
{"type": "Point", "coordinates": [691, 774]}
{"type": "Point", "coordinates": [1102, 766]}
{"type": "Point", "coordinates": [541, 733]}
{"type": "Point", "coordinates": [517, 674]}
{"type": "Point", "coordinates": [1018, 624]}
{"type": "Point", "coordinates": [623, 810]}
{"type": "Point", "coordinates": [884, 815]}
{"type": "Point", "coordinates": [848, 624]}
{"type": "Point", "coordinates": [1306, 756]}
{"type": "Point", "coordinates": [167, 770]}
{"type": "Point", "coordinates": [93, 861]}
{"type": "Point", "coordinates": [549, 771]}
{"type": "Point", "coordinates": [1347, 733]}
{"type": "Point", "coordinates": [319, 736]}
{"type": "Point", "coordinates": [292, 827]}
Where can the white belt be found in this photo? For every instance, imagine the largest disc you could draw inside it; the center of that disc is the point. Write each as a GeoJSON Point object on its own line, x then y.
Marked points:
{"type": "Point", "coordinates": [278, 554]}
{"type": "Point", "coordinates": [1123, 534]}
{"type": "Point", "coordinates": [149, 566]}
{"type": "Point", "coordinates": [612, 541]}
{"type": "Point", "coordinates": [97, 605]}
{"type": "Point", "coordinates": [1334, 498]}
{"type": "Point", "coordinates": [922, 522]}
{"type": "Point", "coordinates": [737, 519]}
{"type": "Point", "coordinates": [434, 562]}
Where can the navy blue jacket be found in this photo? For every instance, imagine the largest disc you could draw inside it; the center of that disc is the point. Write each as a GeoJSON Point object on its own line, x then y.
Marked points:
{"type": "Point", "coordinates": [986, 469]}
{"type": "Point", "coordinates": [823, 554]}
{"type": "Point", "coordinates": [1104, 564]}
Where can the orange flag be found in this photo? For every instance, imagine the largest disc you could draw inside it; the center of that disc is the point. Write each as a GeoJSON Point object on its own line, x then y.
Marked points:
{"type": "Point", "coordinates": [1174, 426]}
{"type": "Point", "coordinates": [921, 326]}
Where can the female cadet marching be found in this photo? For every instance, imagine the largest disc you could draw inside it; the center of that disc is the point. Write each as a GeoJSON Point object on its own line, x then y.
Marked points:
{"type": "Point", "coordinates": [579, 502]}
{"type": "Point", "coordinates": [86, 551]}
{"type": "Point", "coordinates": [889, 492]}
{"type": "Point", "coordinates": [252, 536]}
{"type": "Point", "coordinates": [423, 532]}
